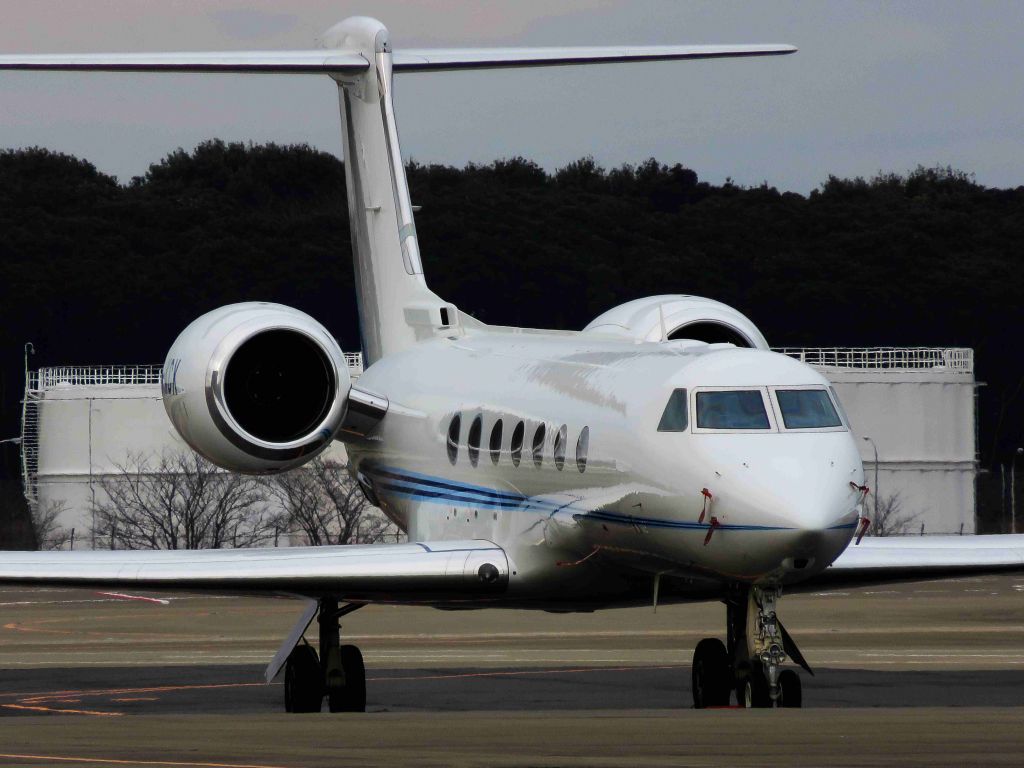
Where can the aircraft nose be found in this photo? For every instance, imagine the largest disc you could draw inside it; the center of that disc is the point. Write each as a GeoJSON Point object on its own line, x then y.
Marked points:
{"type": "Point", "coordinates": [821, 497]}
{"type": "Point", "coordinates": [816, 499]}
{"type": "Point", "coordinates": [799, 491]}
{"type": "Point", "coordinates": [808, 480]}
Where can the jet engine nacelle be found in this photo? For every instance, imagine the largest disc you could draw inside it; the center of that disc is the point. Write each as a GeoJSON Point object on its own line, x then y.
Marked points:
{"type": "Point", "coordinates": [679, 317]}
{"type": "Point", "coordinates": [256, 387]}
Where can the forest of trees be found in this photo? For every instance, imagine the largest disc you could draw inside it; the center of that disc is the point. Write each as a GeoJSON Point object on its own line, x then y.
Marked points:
{"type": "Point", "coordinates": [94, 271]}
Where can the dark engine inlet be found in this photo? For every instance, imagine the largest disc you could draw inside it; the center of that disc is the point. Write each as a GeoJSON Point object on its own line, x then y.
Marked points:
{"type": "Point", "coordinates": [279, 386]}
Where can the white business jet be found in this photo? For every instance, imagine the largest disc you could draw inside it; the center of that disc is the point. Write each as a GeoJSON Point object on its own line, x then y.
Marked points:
{"type": "Point", "coordinates": [661, 453]}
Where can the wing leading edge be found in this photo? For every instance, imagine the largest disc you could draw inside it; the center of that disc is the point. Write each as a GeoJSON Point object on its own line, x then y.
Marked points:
{"type": "Point", "coordinates": [415, 572]}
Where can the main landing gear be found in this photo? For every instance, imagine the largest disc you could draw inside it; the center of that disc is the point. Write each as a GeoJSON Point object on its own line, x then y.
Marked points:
{"type": "Point", "coordinates": [750, 663]}
{"type": "Point", "coordinates": [337, 672]}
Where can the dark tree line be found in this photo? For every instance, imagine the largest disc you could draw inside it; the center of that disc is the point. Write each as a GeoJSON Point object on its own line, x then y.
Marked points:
{"type": "Point", "coordinates": [93, 271]}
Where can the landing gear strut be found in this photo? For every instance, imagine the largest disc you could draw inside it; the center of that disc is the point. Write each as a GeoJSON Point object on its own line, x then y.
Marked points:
{"type": "Point", "coordinates": [337, 672]}
{"type": "Point", "coordinates": [750, 662]}
{"type": "Point", "coordinates": [767, 646]}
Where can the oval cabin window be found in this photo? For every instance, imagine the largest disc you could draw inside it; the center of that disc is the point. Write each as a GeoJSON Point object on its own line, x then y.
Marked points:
{"type": "Point", "coordinates": [537, 449]}
{"type": "Point", "coordinates": [495, 443]}
{"type": "Point", "coordinates": [560, 439]}
{"type": "Point", "coordinates": [454, 428]}
{"type": "Point", "coordinates": [516, 446]}
{"type": "Point", "coordinates": [473, 442]}
{"type": "Point", "coordinates": [582, 446]}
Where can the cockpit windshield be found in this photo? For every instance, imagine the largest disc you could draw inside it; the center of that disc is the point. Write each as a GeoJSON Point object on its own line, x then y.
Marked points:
{"type": "Point", "coordinates": [732, 409]}
{"type": "Point", "coordinates": [807, 409]}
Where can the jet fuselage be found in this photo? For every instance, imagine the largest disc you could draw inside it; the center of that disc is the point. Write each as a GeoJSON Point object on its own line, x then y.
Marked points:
{"type": "Point", "coordinates": [559, 453]}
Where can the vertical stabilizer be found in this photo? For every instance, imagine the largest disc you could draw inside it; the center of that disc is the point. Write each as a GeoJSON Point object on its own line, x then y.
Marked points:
{"type": "Point", "coordinates": [396, 308]}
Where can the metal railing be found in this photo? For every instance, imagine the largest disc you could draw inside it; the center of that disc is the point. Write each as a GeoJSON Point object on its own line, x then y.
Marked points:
{"type": "Point", "coordinates": [952, 359]}
{"type": "Point", "coordinates": [91, 375]}
{"type": "Point", "coordinates": [355, 363]}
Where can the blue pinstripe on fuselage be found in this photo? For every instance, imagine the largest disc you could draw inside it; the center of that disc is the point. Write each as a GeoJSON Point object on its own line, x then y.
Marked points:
{"type": "Point", "coordinates": [431, 489]}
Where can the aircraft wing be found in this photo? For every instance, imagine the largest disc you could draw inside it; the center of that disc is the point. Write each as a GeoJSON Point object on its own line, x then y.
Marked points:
{"type": "Point", "coordinates": [443, 571]}
{"type": "Point", "coordinates": [878, 560]}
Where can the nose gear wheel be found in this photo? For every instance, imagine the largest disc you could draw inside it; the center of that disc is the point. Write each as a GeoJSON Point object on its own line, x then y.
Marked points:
{"type": "Point", "coordinates": [753, 694]}
{"type": "Point", "coordinates": [711, 674]}
{"type": "Point", "coordinates": [791, 690]}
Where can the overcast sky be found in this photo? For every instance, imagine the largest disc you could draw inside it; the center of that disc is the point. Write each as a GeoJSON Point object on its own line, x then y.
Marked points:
{"type": "Point", "coordinates": [875, 86]}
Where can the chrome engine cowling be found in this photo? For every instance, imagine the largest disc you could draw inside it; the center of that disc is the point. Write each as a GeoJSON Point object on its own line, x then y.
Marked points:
{"type": "Point", "coordinates": [679, 317]}
{"type": "Point", "coordinates": [256, 387]}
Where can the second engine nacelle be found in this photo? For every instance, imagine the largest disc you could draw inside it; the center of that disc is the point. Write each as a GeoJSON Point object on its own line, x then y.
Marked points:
{"type": "Point", "coordinates": [679, 317]}
{"type": "Point", "coordinates": [256, 387]}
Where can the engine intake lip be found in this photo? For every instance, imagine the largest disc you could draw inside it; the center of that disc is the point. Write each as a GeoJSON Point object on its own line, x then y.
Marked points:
{"type": "Point", "coordinates": [313, 419]}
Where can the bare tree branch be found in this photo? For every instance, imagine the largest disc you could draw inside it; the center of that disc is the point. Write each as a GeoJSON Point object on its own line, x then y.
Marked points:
{"type": "Point", "coordinates": [323, 503]}
{"type": "Point", "coordinates": [890, 519]}
{"type": "Point", "coordinates": [179, 501]}
{"type": "Point", "coordinates": [50, 535]}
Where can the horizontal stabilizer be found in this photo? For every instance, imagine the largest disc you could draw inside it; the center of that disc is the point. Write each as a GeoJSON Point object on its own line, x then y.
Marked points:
{"type": "Point", "coordinates": [270, 62]}
{"type": "Point", "coordinates": [500, 58]}
{"type": "Point", "coordinates": [342, 62]}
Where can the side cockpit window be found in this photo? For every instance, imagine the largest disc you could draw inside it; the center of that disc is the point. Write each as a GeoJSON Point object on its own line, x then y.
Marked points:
{"type": "Point", "coordinates": [674, 418]}
{"type": "Point", "coordinates": [732, 409]}
{"type": "Point", "coordinates": [807, 409]}
{"type": "Point", "coordinates": [839, 406]}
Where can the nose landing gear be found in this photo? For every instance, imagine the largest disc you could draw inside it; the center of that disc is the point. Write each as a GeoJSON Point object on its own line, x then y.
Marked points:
{"type": "Point", "coordinates": [750, 664]}
{"type": "Point", "coordinates": [767, 646]}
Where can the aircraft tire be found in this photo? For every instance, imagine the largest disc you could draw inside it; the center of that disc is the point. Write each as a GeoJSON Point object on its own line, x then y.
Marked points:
{"type": "Point", "coordinates": [754, 690]}
{"type": "Point", "coordinates": [791, 689]}
{"type": "Point", "coordinates": [352, 697]}
{"type": "Point", "coordinates": [303, 681]}
{"type": "Point", "coordinates": [711, 674]}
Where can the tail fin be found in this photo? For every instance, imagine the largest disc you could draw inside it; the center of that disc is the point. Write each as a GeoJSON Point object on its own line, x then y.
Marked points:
{"type": "Point", "coordinates": [396, 308]}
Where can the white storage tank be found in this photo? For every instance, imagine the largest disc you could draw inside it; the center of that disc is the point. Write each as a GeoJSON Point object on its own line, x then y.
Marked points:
{"type": "Point", "coordinates": [916, 406]}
